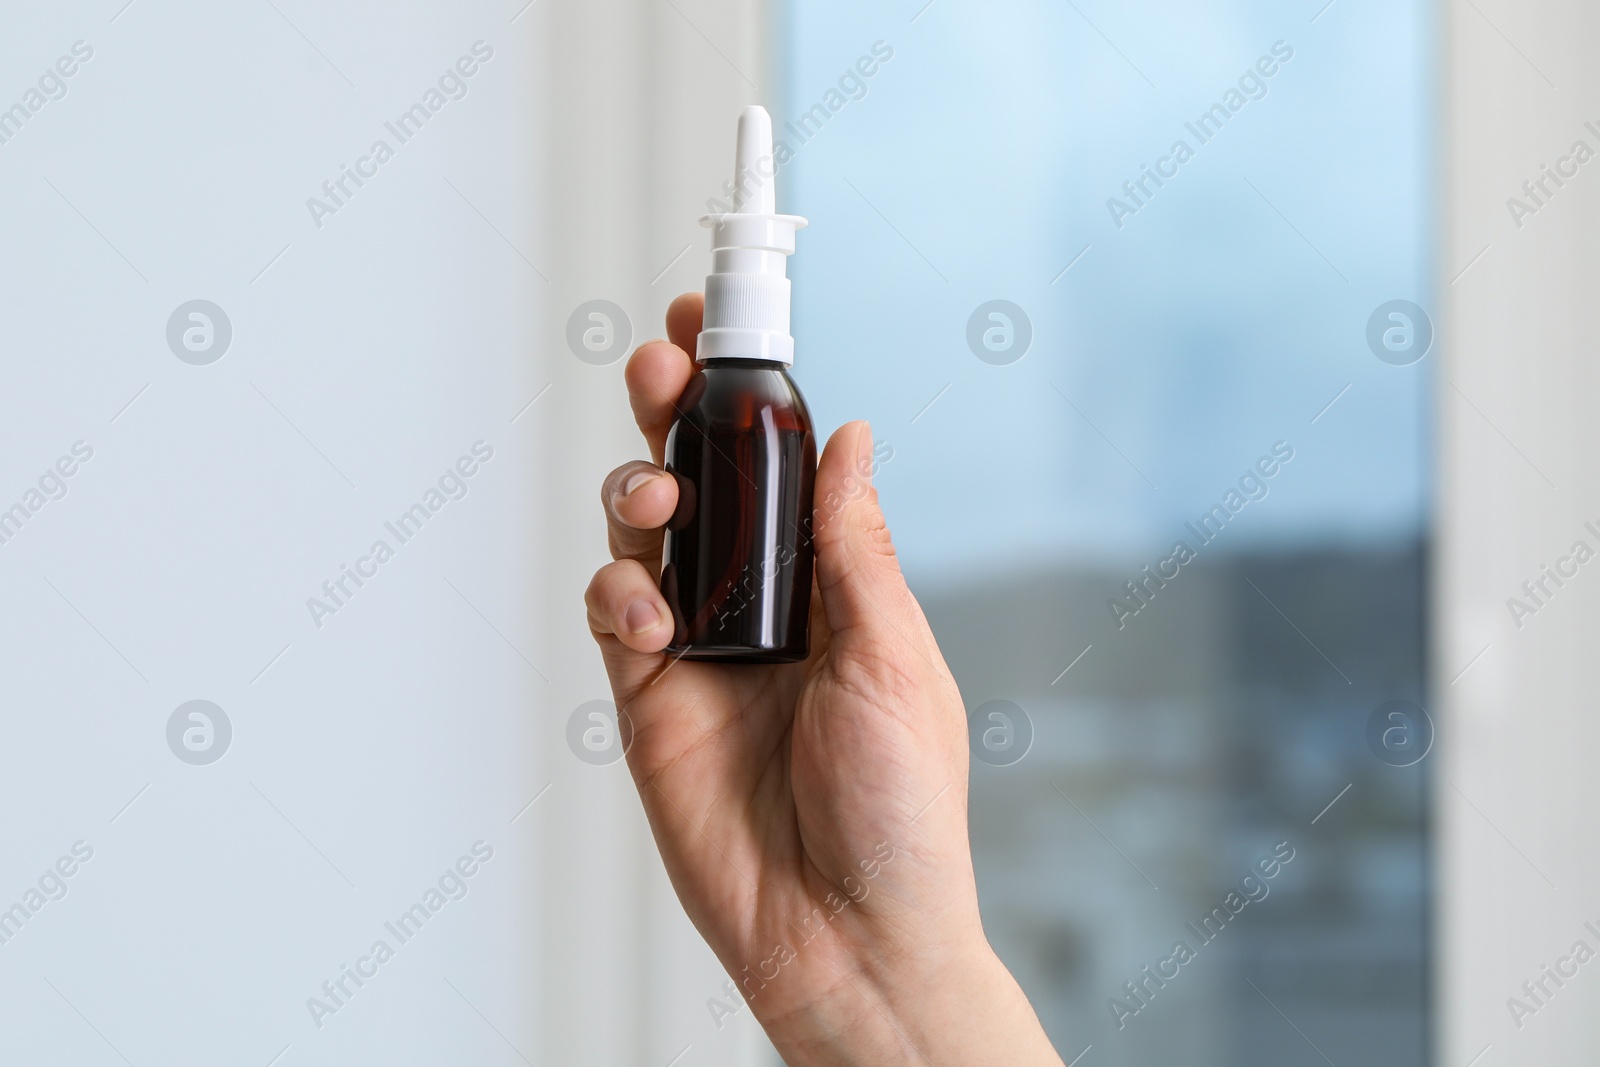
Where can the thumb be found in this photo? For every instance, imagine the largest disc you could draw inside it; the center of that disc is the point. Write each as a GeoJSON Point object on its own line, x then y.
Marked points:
{"type": "Point", "coordinates": [858, 574]}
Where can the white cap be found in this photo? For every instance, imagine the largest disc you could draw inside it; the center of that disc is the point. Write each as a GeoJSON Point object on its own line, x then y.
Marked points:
{"type": "Point", "coordinates": [747, 291]}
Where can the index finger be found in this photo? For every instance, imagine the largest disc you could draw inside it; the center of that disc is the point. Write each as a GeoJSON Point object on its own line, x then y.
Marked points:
{"type": "Point", "coordinates": [684, 316]}
{"type": "Point", "coordinates": [659, 371]}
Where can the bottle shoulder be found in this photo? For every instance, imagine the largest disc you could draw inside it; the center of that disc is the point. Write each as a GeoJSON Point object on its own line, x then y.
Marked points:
{"type": "Point", "coordinates": [751, 394]}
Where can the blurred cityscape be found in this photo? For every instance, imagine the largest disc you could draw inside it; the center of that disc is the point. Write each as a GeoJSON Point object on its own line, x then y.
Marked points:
{"type": "Point", "coordinates": [1171, 758]}
{"type": "Point", "coordinates": [1167, 357]}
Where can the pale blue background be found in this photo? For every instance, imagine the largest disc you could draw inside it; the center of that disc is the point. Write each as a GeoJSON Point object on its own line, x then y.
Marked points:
{"type": "Point", "coordinates": [1233, 709]}
{"type": "Point", "coordinates": [1193, 338]}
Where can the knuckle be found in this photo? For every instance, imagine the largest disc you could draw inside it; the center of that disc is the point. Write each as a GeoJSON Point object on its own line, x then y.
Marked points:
{"type": "Point", "coordinates": [875, 532]}
{"type": "Point", "coordinates": [607, 580]}
{"type": "Point", "coordinates": [593, 594]}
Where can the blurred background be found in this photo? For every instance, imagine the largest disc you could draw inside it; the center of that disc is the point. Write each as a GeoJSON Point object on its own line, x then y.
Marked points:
{"type": "Point", "coordinates": [1233, 393]}
{"type": "Point", "coordinates": [1178, 337]}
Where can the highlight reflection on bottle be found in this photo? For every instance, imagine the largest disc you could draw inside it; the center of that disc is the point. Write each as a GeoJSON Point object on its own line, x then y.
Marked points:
{"type": "Point", "coordinates": [738, 556]}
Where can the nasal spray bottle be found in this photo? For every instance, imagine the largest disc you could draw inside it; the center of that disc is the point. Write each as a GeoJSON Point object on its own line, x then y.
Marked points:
{"type": "Point", "coordinates": [738, 554]}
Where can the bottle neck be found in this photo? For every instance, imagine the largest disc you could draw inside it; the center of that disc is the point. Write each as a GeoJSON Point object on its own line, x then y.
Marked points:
{"type": "Point", "coordinates": [743, 363]}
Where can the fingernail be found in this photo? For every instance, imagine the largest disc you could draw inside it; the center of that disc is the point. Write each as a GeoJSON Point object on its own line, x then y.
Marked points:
{"type": "Point", "coordinates": [864, 448]}
{"type": "Point", "coordinates": [641, 617]}
{"type": "Point", "coordinates": [636, 480]}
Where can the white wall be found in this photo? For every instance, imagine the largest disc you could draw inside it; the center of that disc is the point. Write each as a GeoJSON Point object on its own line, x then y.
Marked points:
{"type": "Point", "coordinates": [367, 355]}
{"type": "Point", "coordinates": [1516, 789]}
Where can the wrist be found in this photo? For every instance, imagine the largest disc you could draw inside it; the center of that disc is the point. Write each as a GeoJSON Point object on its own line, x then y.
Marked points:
{"type": "Point", "coordinates": [953, 1003]}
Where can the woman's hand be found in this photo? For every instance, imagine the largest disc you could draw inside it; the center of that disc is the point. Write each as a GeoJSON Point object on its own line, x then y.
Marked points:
{"type": "Point", "coordinates": [812, 816]}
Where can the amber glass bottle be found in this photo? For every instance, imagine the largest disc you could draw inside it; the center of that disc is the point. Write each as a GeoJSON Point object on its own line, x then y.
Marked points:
{"type": "Point", "coordinates": [737, 559]}
{"type": "Point", "coordinates": [738, 554]}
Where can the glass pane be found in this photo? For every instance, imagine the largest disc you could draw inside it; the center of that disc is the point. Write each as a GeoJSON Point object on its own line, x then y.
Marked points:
{"type": "Point", "coordinates": [1167, 500]}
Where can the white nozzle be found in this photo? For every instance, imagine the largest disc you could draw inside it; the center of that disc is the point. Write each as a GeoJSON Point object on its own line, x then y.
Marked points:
{"type": "Point", "coordinates": [747, 292]}
{"type": "Point", "coordinates": [752, 153]}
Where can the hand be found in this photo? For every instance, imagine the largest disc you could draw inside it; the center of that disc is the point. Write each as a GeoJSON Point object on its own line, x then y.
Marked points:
{"type": "Point", "coordinates": [812, 816]}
